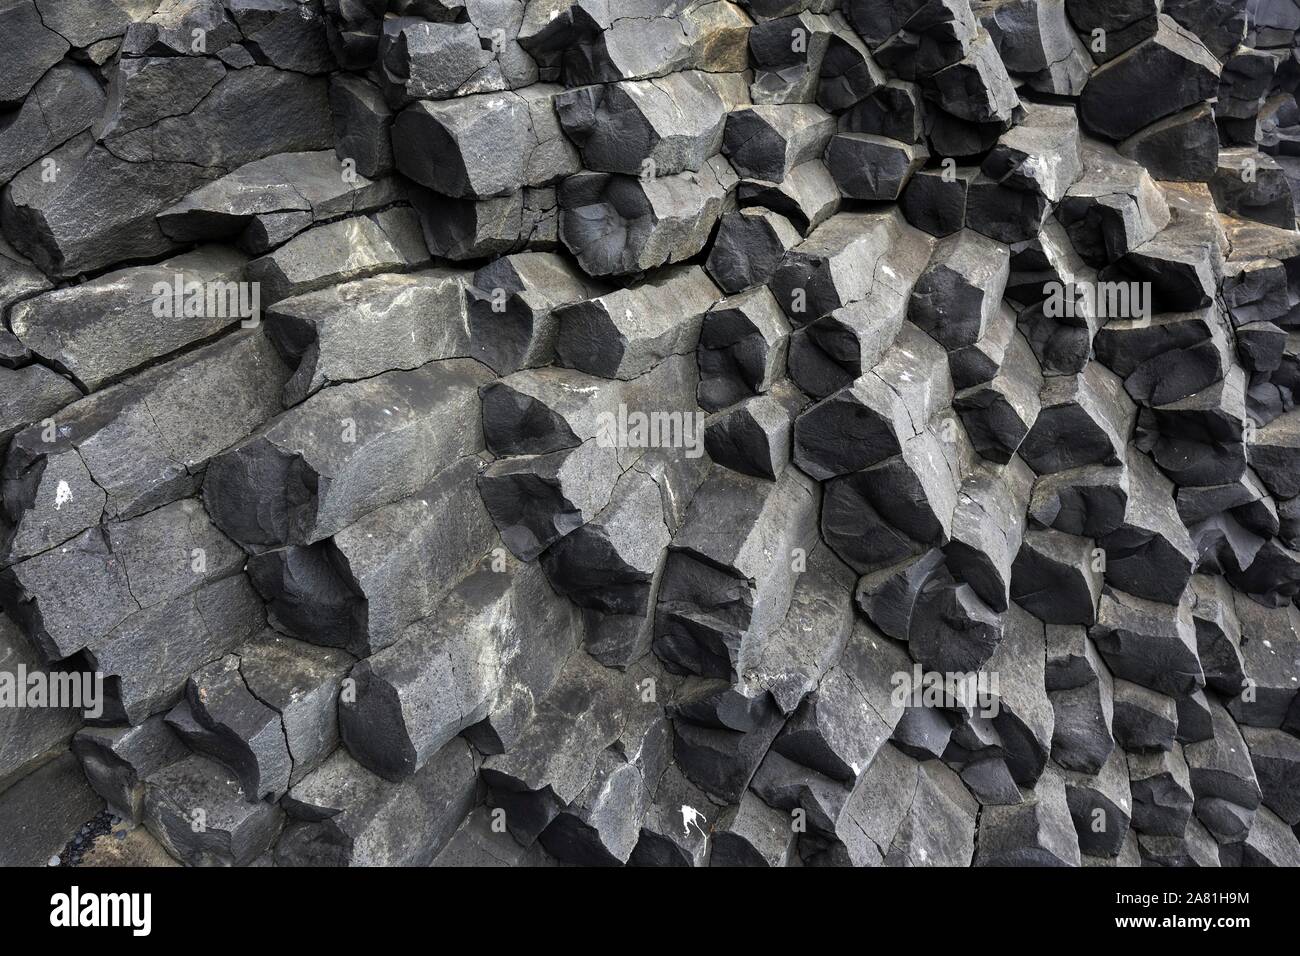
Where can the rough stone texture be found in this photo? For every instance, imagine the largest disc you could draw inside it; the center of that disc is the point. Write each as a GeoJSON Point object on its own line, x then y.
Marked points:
{"type": "Point", "coordinates": [784, 433]}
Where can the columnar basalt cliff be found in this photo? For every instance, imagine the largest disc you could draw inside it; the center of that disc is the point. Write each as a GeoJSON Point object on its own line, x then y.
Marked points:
{"type": "Point", "coordinates": [650, 432]}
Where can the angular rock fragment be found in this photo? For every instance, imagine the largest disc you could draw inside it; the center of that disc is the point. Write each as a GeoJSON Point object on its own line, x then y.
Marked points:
{"type": "Point", "coordinates": [343, 815]}
{"type": "Point", "coordinates": [305, 187]}
{"type": "Point", "coordinates": [340, 251]}
{"type": "Point", "coordinates": [138, 445]}
{"type": "Point", "coordinates": [897, 508]}
{"type": "Point", "coordinates": [1184, 262]}
{"type": "Point", "coordinates": [676, 827]}
{"type": "Point", "coordinates": [31, 47]}
{"type": "Point", "coordinates": [460, 229]}
{"type": "Point", "coordinates": [1162, 792]}
{"type": "Point", "coordinates": [64, 102]}
{"type": "Point", "coordinates": [1270, 640]}
{"type": "Point", "coordinates": [876, 416]}
{"type": "Point", "coordinates": [766, 142]}
{"type": "Point", "coordinates": [1072, 659]}
{"type": "Point", "coordinates": [414, 696]}
{"type": "Point", "coordinates": [1148, 643]}
{"type": "Point", "coordinates": [249, 114]}
{"type": "Point", "coordinates": [1085, 420]}
{"type": "Point", "coordinates": [301, 683]}
{"type": "Point", "coordinates": [1194, 719]}
{"type": "Point", "coordinates": [1164, 74]}
{"type": "Point", "coordinates": [1057, 577]}
{"type": "Point", "coordinates": [601, 826]}
{"type": "Point", "coordinates": [871, 167]}
{"type": "Point", "coordinates": [722, 762]}
{"type": "Point", "coordinates": [1090, 501]}
{"type": "Point", "coordinates": [232, 830]}
{"type": "Point", "coordinates": [1166, 358]}
{"type": "Point", "coordinates": [362, 123]}
{"type": "Point", "coordinates": [221, 718]}
{"type": "Point", "coordinates": [361, 588]}
{"type": "Point", "coordinates": [789, 787]}
{"type": "Point", "coordinates": [572, 739]}
{"type": "Point", "coordinates": [749, 246]}
{"type": "Point", "coordinates": [753, 834]}
{"type": "Point", "coordinates": [314, 469]}
{"type": "Point", "coordinates": [1223, 779]}
{"type": "Point", "coordinates": [1150, 555]}
{"type": "Point", "coordinates": [608, 564]}
{"type": "Point", "coordinates": [490, 144]}
{"type": "Point", "coordinates": [753, 436]}
{"type": "Point", "coordinates": [1251, 184]}
{"type": "Point", "coordinates": [1029, 169]}
{"type": "Point", "coordinates": [742, 348]}
{"type": "Point", "coordinates": [1035, 40]}
{"type": "Point", "coordinates": [117, 761]}
{"type": "Point", "coordinates": [1144, 719]}
{"type": "Point", "coordinates": [958, 295]}
{"type": "Point", "coordinates": [1270, 843]}
{"type": "Point", "coordinates": [988, 527]}
{"type": "Point", "coordinates": [1082, 736]}
{"type": "Point", "coordinates": [840, 728]}
{"type": "Point", "coordinates": [976, 88]}
{"type": "Point", "coordinates": [807, 196]}
{"type": "Point", "coordinates": [848, 73]}
{"type": "Point", "coordinates": [101, 329]}
{"type": "Point", "coordinates": [1113, 209]}
{"type": "Point", "coordinates": [536, 500]}
{"type": "Point", "coordinates": [832, 352]}
{"type": "Point", "coordinates": [835, 265]}
{"type": "Point", "coordinates": [48, 221]}
{"type": "Point", "coordinates": [730, 571]}
{"type": "Point", "coordinates": [1100, 807]}
{"type": "Point", "coordinates": [952, 630]}
{"type": "Point", "coordinates": [616, 225]}
{"type": "Point", "coordinates": [935, 201]}
{"type": "Point", "coordinates": [482, 841]}
{"type": "Point", "coordinates": [657, 127]}
{"type": "Point", "coordinates": [628, 332]}
{"type": "Point", "coordinates": [511, 305]}
{"type": "Point", "coordinates": [1183, 147]}
{"type": "Point", "coordinates": [31, 394]}
{"type": "Point", "coordinates": [788, 53]}
{"type": "Point", "coordinates": [1038, 832]}
{"type": "Point", "coordinates": [360, 329]}
{"type": "Point", "coordinates": [790, 664]}
{"type": "Point", "coordinates": [1000, 413]}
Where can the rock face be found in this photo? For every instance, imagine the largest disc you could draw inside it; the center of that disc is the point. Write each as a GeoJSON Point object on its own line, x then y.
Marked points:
{"type": "Point", "coordinates": [651, 433]}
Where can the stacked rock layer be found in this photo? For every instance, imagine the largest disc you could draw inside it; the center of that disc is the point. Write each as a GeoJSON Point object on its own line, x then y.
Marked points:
{"type": "Point", "coordinates": [653, 432]}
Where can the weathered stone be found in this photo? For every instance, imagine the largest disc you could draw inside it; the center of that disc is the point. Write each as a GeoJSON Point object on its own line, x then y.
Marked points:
{"type": "Point", "coordinates": [1164, 74]}
{"type": "Point", "coordinates": [628, 332]}
{"type": "Point", "coordinates": [314, 469]}
{"type": "Point", "coordinates": [101, 329]}
{"type": "Point", "coordinates": [235, 830]}
{"type": "Point", "coordinates": [1038, 832]}
{"type": "Point", "coordinates": [362, 587]}
{"type": "Point", "coordinates": [1148, 643]}
{"type": "Point", "coordinates": [343, 815]}
{"type": "Point", "coordinates": [435, 682]}
{"type": "Point", "coordinates": [730, 571]}
{"type": "Point", "coordinates": [616, 225]}
{"type": "Point", "coordinates": [360, 329]}
{"type": "Point", "coordinates": [138, 445]}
